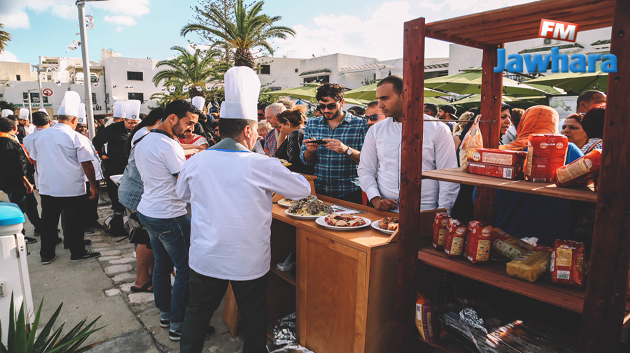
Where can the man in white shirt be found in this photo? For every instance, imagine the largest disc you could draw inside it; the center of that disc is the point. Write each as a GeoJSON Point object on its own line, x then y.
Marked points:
{"type": "Point", "coordinates": [230, 190]}
{"type": "Point", "coordinates": [381, 153]}
{"type": "Point", "coordinates": [62, 160]}
{"type": "Point", "coordinates": [159, 159]}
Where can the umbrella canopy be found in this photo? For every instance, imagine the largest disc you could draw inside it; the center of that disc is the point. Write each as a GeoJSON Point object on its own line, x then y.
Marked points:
{"type": "Point", "coordinates": [435, 100]}
{"type": "Point", "coordinates": [476, 99]}
{"type": "Point", "coordinates": [369, 92]}
{"type": "Point", "coordinates": [469, 82]}
{"type": "Point", "coordinates": [308, 92]}
{"type": "Point", "coordinates": [575, 82]}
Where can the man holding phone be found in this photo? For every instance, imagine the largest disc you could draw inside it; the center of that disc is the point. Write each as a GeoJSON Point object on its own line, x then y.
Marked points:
{"type": "Point", "coordinates": [332, 143]}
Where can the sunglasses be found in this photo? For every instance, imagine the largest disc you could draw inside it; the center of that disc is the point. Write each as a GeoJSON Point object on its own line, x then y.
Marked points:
{"type": "Point", "coordinates": [373, 117]}
{"type": "Point", "coordinates": [329, 106]}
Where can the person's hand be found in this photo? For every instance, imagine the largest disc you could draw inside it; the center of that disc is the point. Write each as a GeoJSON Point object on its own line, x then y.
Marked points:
{"type": "Point", "coordinates": [198, 148]}
{"type": "Point", "coordinates": [384, 204]}
{"type": "Point", "coordinates": [93, 192]}
{"type": "Point", "coordinates": [336, 145]}
{"type": "Point", "coordinates": [104, 157]}
{"type": "Point", "coordinates": [28, 186]}
{"type": "Point", "coordinates": [311, 147]}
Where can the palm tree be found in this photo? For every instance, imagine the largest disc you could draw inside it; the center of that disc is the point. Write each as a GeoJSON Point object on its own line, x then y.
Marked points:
{"type": "Point", "coordinates": [4, 38]}
{"type": "Point", "coordinates": [247, 30]}
{"type": "Point", "coordinates": [191, 70]}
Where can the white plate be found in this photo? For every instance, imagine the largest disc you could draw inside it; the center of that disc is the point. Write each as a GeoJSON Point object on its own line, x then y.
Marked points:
{"type": "Point", "coordinates": [284, 204]}
{"type": "Point", "coordinates": [375, 226]}
{"type": "Point", "coordinates": [322, 222]}
{"type": "Point", "coordinates": [302, 217]}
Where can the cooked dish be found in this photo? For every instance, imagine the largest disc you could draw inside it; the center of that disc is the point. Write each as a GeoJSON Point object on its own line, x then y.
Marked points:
{"type": "Point", "coordinates": [389, 223]}
{"type": "Point", "coordinates": [344, 220]}
{"type": "Point", "coordinates": [285, 162]}
{"type": "Point", "coordinates": [310, 206]}
{"type": "Point", "coordinates": [285, 202]}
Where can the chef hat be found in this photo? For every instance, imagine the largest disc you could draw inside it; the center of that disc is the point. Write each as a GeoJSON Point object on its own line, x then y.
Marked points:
{"type": "Point", "coordinates": [242, 87]}
{"type": "Point", "coordinates": [24, 114]}
{"type": "Point", "coordinates": [131, 110]}
{"type": "Point", "coordinates": [82, 115]}
{"type": "Point", "coordinates": [6, 112]}
{"type": "Point", "coordinates": [43, 110]}
{"type": "Point", "coordinates": [119, 109]}
{"type": "Point", "coordinates": [198, 102]}
{"type": "Point", "coordinates": [70, 104]}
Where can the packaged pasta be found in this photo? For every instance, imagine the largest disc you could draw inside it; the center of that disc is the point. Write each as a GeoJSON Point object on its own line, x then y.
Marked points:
{"type": "Point", "coordinates": [507, 245]}
{"type": "Point", "coordinates": [545, 154]}
{"type": "Point", "coordinates": [424, 318]}
{"type": "Point", "coordinates": [455, 238]}
{"type": "Point", "coordinates": [580, 171]}
{"type": "Point", "coordinates": [530, 266]}
{"type": "Point", "coordinates": [478, 242]}
{"type": "Point", "coordinates": [567, 263]}
{"type": "Point", "coordinates": [494, 170]}
{"type": "Point", "coordinates": [497, 157]}
{"type": "Point", "coordinates": [439, 229]}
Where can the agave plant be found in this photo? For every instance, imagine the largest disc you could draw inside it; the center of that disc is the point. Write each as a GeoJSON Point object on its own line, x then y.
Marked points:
{"type": "Point", "coordinates": [22, 340]}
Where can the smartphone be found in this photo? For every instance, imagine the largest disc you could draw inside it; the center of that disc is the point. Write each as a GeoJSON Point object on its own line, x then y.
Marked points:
{"type": "Point", "coordinates": [319, 142]}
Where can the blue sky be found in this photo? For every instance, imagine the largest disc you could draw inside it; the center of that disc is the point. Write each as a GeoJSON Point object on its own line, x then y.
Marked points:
{"type": "Point", "coordinates": [148, 28]}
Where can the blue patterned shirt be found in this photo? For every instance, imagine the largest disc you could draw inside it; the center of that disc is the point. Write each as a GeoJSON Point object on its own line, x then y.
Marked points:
{"type": "Point", "coordinates": [335, 172]}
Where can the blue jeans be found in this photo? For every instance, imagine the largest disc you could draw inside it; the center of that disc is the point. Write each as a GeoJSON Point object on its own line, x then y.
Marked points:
{"type": "Point", "coordinates": [170, 240]}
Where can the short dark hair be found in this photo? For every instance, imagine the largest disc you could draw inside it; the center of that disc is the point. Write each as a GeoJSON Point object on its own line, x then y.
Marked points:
{"type": "Point", "coordinates": [357, 111]}
{"type": "Point", "coordinates": [6, 124]}
{"type": "Point", "coordinates": [515, 115]}
{"type": "Point", "coordinates": [593, 121]}
{"type": "Point", "coordinates": [449, 109]}
{"type": "Point", "coordinates": [372, 104]}
{"type": "Point", "coordinates": [180, 108]}
{"type": "Point", "coordinates": [262, 106]}
{"type": "Point", "coordinates": [331, 90]}
{"type": "Point", "coordinates": [13, 117]}
{"type": "Point", "coordinates": [505, 106]}
{"type": "Point", "coordinates": [234, 127]}
{"type": "Point", "coordinates": [587, 96]}
{"type": "Point", "coordinates": [40, 119]}
{"type": "Point", "coordinates": [155, 115]}
{"type": "Point", "coordinates": [395, 80]}
{"type": "Point", "coordinates": [432, 107]}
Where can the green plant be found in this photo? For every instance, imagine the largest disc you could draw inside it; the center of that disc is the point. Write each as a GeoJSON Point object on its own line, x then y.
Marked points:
{"type": "Point", "coordinates": [4, 38]}
{"type": "Point", "coordinates": [22, 340]}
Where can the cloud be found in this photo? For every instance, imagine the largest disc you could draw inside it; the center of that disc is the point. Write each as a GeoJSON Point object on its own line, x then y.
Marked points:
{"type": "Point", "coordinates": [118, 29]}
{"type": "Point", "coordinates": [431, 5]}
{"type": "Point", "coordinates": [15, 20]}
{"type": "Point", "coordinates": [121, 20]}
{"type": "Point", "coordinates": [124, 7]}
{"type": "Point", "coordinates": [8, 56]}
{"type": "Point", "coordinates": [469, 5]}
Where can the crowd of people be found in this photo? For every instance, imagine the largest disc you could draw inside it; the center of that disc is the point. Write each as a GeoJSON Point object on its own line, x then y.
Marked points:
{"type": "Point", "coordinates": [200, 183]}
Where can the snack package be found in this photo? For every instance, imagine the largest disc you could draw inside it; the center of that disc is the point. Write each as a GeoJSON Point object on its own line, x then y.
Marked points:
{"type": "Point", "coordinates": [580, 171]}
{"type": "Point", "coordinates": [439, 229]}
{"type": "Point", "coordinates": [497, 157]}
{"type": "Point", "coordinates": [424, 318]}
{"type": "Point", "coordinates": [567, 263]}
{"type": "Point", "coordinates": [494, 170]}
{"type": "Point", "coordinates": [545, 154]}
{"type": "Point", "coordinates": [530, 266]}
{"type": "Point", "coordinates": [507, 245]}
{"type": "Point", "coordinates": [455, 237]}
{"type": "Point", "coordinates": [478, 242]}
{"type": "Point", "coordinates": [473, 139]}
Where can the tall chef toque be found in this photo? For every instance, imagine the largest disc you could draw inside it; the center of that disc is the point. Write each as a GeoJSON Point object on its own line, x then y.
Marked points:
{"type": "Point", "coordinates": [132, 110]}
{"type": "Point", "coordinates": [70, 104]}
{"type": "Point", "coordinates": [119, 109]}
{"type": "Point", "coordinates": [24, 115]}
{"type": "Point", "coordinates": [43, 110]}
{"type": "Point", "coordinates": [242, 87]}
{"type": "Point", "coordinates": [199, 102]}
{"type": "Point", "coordinates": [6, 112]}
{"type": "Point", "coordinates": [82, 115]}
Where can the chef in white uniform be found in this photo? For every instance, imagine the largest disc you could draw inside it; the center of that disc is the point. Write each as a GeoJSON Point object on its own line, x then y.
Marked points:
{"type": "Point", "coordinates": [91, 210]}
{"type": "Point", "coordinates": [62, 159]}
{"type": "Point", "coordinates": [230, 190]}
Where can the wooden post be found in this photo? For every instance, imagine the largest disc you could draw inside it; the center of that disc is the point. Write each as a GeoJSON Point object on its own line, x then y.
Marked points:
{"type": "Point", "coordinates": [410, 182]}
{"type": "Point", "coordinates": [491, 97]}
{"type": "Point", "coordinates": [607, 283]}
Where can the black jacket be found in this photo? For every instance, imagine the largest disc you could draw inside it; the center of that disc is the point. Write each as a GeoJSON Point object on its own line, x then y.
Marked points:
{"type": "Point", "coordinates": [115, 136]}
{"type": "Point", "coordinates": [15, 165]}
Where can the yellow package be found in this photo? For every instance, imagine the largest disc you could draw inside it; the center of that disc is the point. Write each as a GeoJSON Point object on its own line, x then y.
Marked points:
{"type": "Point", "coordinates": [530, 266]}
{"type": "Point", "coordinates": [424, 320]}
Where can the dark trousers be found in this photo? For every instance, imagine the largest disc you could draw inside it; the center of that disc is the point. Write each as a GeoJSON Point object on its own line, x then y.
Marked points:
{"type": "Point", "coordinates": [112, 191]}
{"type": "Point", "coordinates": [28, 204]}
{"type": "Point", "coordinates": [91, 211]}
{"type": "Point", "coordinates": [206, 294]}
{"type": "Point", "coordinates": [74, 210]}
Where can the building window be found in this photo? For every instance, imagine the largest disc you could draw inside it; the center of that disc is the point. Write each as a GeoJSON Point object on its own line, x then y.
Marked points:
{"type": "Point", "coordinates": [93, 98]}
{"type": "Point", "coordinates": [18, 78]}
{"type": "Point", "coordinates": [136, 96]}
{"type": "Point", "coordinates": [34, 97]}
{"type": "Point", "coordinates": [275, 88]}
{"type": "Point", "coordinates": [134, 76]}
{"type": "Point", "coordinates": [296, 70]}
{"type": "Point", "coordinates": [265, 70]}
{"type": "Point", "coordinates": [316, 79]}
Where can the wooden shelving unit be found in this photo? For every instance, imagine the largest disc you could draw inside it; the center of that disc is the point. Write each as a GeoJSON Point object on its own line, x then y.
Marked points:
{"type": "Point", "coordinates": [287, 276]}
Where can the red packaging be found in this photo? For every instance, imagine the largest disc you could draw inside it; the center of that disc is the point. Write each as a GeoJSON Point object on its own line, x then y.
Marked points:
{"type": "Point", "coordinates": [545, 154]}
{"type": "Point", "coordinates": [455, 237]}
{"type": "Point", "coordinates": [567, 263]}
{"type": "Point", "coordinates": [478, 242]}
{"type": "Point", "coordinates": [439, 229]}
{"type": "Point", "coordinates": [495, 170]}
{"type": "Point", "coordinates": [497, 157]}
{"type": "Point", "coordinates": [580, 171]}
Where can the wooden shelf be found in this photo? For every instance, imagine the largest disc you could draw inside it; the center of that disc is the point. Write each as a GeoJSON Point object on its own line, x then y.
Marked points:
{"type": "Point", "coordinates": [287, 276]}
{"type": "Point", "coordinates": [494, 274]}
{"type": "Point", "coordinates": [456, 175]}
{"type": "Point", "coordinates": [439, 346]}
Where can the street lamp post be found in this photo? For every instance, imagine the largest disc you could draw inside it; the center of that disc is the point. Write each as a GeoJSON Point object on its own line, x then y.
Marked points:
{"type": "Point", "coordinates": [87, 79]}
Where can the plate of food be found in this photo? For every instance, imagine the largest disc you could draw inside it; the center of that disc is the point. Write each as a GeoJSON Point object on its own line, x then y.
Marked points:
{"type": "Point", "coordinates": [343, 221]}
{"type": "Point", "coordinates": [285, 162]}
{"type": "Point", "coordinates": [386, 225]}
{"type": "Point", "coordinates": [309, 208]}
{"type": "Point", "coordinates": [285, 202]}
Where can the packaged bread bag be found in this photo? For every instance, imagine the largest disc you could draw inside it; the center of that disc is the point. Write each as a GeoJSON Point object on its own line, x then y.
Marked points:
{"type": "Point", "coordinates": [567, 263]}
{"type": "Point", "coordinates": [439, 229]}
{"type": "Point", "coordinates": [545, 154]}
{"type": "Point", "coordinates": [507, 245]}
{"type": "Point", "coordinates": [455, 238]}
{"type": "Point", "coordinates": [424, 318]}
{"type": "Point", "coordinates": [478, 242]}
{"type": "Point", "coordinates": [471, 141]}
{"type": "Point", "coordinates": [581, 171]}
{"type": "Point", "coordinates": [530, 266]}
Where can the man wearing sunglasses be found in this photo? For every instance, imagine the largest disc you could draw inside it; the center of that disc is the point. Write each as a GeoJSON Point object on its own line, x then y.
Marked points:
{"type": "Point", "coordinates": [339, 138]}
{"type": "Point", "coordinates": [373, 113]}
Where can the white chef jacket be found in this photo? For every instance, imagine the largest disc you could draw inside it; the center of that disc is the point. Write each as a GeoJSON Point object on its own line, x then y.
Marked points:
{"type": "Point", "coordinates": [59, 152]}
{"type": "Point", "coordinates": [28, 142]}
{"type": "Point", "coordinates": [230, 192]}
{"type": "Point", "coordinates": [96, 161]}
{"type": "Point", "coordinates": [29, 129]}
{"type": "Point", "coordinates": [159, 159]}
{"type": "Point", "coordinates": [379, 167]}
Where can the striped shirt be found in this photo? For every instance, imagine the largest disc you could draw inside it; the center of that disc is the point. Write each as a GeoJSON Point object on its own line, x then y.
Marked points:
{"type": "Point", "coordinates": [336, 172]}
{"type": "Point", "coordinates": [271, 143]}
